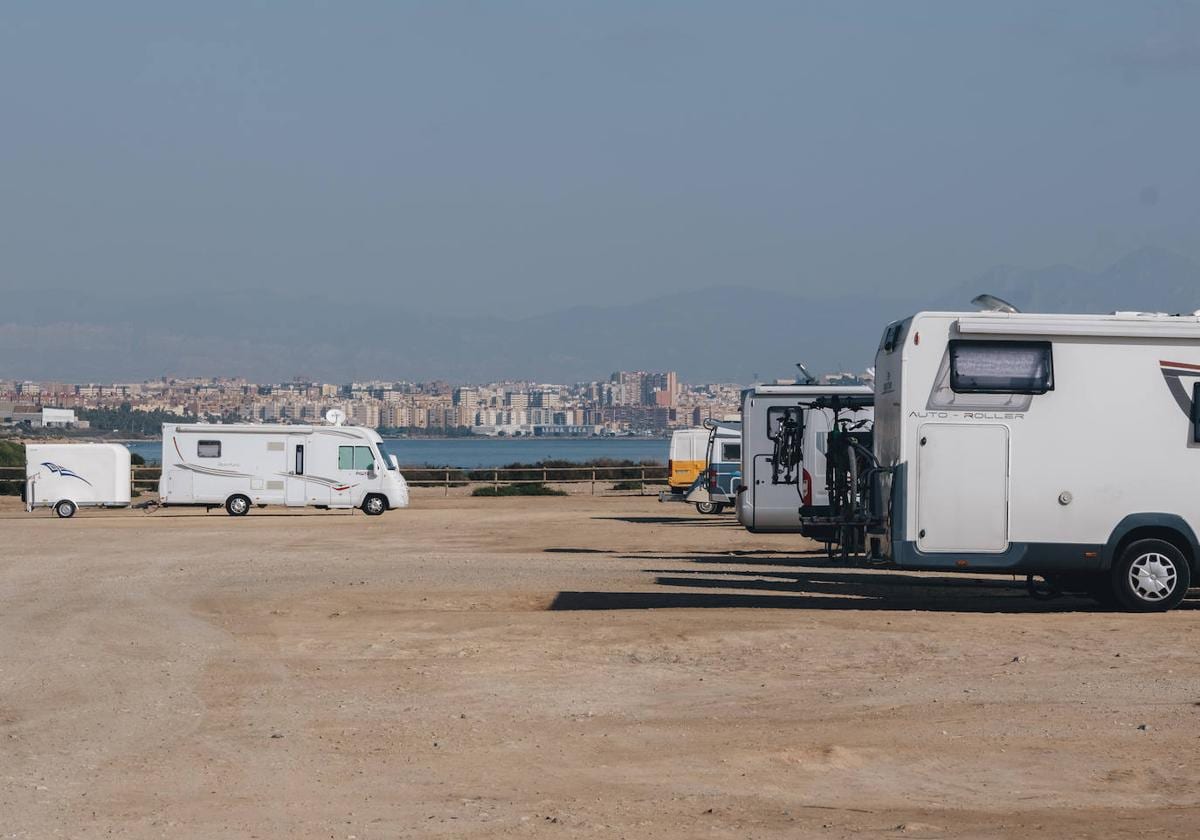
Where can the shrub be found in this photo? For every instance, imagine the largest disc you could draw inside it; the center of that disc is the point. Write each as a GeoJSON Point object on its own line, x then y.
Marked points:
{"type": "Point", "coordinates": [433, 476]}
{"type": "Point", "coordinates": [518, 490]}
{"type": "Point", "coordinates": [605, 469]}
{"type": "Point", "coordinates": [11, 480]}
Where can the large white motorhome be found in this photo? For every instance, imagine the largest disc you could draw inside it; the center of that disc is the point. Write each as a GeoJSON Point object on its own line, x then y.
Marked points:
{"type": "Point", "coordinates": [784, 433]}
{"type": "Point", "coordinates": [241, 465]}
{"type": "Point", "coordinates": [1064, 446]}
{"type": "Point", "coordinates": [68, 476]}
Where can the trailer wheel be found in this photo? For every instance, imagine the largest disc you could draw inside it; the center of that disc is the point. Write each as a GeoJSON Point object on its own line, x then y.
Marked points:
{"type": "Point", "coordinates": [237, 505]}
{"type": "Point", "coordinates": [374, 505]}
{"type": "Point", "coordinates": [1151, 575]}
{"type": "Point", "coordinates": [65, 509]}
{"type": "Point", "coordinates": [707, 507]}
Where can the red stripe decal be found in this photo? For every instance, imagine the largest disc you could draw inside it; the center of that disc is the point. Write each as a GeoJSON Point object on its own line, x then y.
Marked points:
{"type": "Point", "coordinates": [1184, 365]}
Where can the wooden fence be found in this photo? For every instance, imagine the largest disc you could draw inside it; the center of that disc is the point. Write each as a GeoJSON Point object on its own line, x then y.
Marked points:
{"type": "Point", "coordinates": [144, 479]}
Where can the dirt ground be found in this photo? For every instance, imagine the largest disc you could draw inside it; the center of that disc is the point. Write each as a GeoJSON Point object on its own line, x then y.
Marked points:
{"type": "Point", "coordinates": [562, 667]}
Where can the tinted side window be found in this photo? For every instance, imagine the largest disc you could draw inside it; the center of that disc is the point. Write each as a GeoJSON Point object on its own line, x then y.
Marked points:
{"type": "Point", "coordinates": [345, 457]}
{"type": "Point", "coordinates": [732, 452]}
{"type": "Point", "coordinates": [363, 459]}
{"type": "Point", "coordinates": [208, 449]}
{"type": "Point", "coordinates": [1001, 367]}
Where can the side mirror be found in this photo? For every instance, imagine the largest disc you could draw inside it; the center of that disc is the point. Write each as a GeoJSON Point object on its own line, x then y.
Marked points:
{"type": "Point", "coordinates": [1195, 413]}
{"type": "Point", "coordinates": [395, 463]}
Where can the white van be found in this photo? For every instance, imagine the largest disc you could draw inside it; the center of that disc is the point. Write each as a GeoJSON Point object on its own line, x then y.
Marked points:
{"type": "Point", "coordinates": [68, 476]}
{"type": "Point", "coordinates": [241, 465]}
{"type": "Point", "coordinates": [687, 460]}
{"type": "Point", "coordinates": [784, 432]}
{"type": "Point", "coordinates": [1066, 446]}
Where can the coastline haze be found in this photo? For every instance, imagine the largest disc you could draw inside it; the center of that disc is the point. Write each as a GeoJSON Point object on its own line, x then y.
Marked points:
{"type": "Point", "coordinates": [251, 190]}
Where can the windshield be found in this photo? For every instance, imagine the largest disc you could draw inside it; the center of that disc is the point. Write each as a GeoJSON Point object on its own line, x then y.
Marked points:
{"type": "Point", "coordinates": [384, 462]}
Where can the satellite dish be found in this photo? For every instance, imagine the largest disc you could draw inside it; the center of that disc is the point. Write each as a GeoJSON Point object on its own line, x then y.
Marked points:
{"type": "Point", "coordinates": [335, 416]}
{"type": "Point", "coordinates": [807, 378]}
{"type": "Point", "coordinates": [991, 303]}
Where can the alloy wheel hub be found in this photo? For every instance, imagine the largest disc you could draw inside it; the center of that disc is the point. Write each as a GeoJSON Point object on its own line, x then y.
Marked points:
{"type": "Point", "coordinates": [1153, 576]}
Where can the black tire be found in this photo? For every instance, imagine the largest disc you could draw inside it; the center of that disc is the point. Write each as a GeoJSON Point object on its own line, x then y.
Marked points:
{"type": "Point", "coordinates": [65, 509]}
{"type": "Point", "coordinates": [707, 508]}
{"type": "Point", "coordinates": [237, 505]}
{"type": "Point", "coordinates": [1151, 575]}
{"type": "Point", "coordinates": [374, 505]}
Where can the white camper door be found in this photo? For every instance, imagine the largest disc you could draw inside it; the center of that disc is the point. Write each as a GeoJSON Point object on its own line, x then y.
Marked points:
{"type": "Point", "coordinates": [775, 505]}
{"type": "Point", "coordinates": [962, 488]}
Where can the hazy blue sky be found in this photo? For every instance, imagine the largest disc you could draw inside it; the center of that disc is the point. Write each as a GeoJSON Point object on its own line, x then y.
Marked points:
{"type": "Point", "coordinates": [502, 157]}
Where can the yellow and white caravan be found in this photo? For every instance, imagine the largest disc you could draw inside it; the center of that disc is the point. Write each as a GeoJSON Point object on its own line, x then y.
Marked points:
{"type": "Point", "coordinates": [688, 458]}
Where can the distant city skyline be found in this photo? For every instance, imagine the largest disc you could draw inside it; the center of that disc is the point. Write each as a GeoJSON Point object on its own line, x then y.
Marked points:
{"type": "Point", "coordinates": [626, 401]}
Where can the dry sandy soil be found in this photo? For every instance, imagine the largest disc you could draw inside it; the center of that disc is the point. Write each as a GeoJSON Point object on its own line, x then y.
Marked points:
{"type": "Point", "coordinates": [562, 667]}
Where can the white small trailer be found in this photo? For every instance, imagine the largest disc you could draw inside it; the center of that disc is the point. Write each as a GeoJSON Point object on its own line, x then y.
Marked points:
{"type": "Point", "coordinates": [68, 476]}
{"type": "Point", "coordinates": [1062, 446]}
{"type": "Point", "coordinates": [239, 466]}
{"type": "Point", "coordinates": [784, 433]}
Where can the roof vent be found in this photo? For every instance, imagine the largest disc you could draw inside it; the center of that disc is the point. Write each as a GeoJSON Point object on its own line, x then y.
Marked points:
{"type": "Point", "coordinates": [991, 303]}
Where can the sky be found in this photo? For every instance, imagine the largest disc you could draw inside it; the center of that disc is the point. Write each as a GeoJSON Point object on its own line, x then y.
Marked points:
{"type": "Point", "coordinates": [508, 158]}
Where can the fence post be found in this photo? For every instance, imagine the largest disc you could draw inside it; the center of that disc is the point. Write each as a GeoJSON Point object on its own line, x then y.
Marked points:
{"type": "Point", "coordinates": [593, 481]}
{"type": "Point", "coordinates": [496, 480]}
{"type": "Point", "coordinates": [447, 482]}
{"type": "Point", "coordinates": [544, 477]}
{"type": "Point", "coordinates": [642, 488]}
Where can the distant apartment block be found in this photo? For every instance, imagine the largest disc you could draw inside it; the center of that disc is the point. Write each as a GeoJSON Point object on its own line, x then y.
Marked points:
{"type": "Point", "coordinates": [628, 401]}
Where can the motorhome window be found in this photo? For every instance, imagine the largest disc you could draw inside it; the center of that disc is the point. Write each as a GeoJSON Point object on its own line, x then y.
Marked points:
{"type": "Point", "coordinates": [364, 459]}
{"type": "Point", "coordinates": [889, 339]}
{"type": "Point", "coordinates": [345, 457]}
{"type": "Point", "coordinates": [208, 449]}
{"type": "Point", "coordinates": [1001, 367]}
{"type": "Point", "coordinates": [299, 459]}
{"type": "Point", "coordinates": [782, 419]}
{"type": "Point", "coordinates": [1196, 412]}
{"type": "Point", "coordinates": [731, 452]}
{"type": "Point", "coordinates": [894, 336]}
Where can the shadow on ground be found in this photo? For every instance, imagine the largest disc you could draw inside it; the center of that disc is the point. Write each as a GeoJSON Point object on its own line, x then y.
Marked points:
{"type": "Point", "coordinates": [705, 521]}
{"type": "Point", "coordinates": [811, 582]}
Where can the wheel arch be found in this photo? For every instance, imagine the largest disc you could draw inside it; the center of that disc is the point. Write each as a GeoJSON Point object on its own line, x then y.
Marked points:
{"type": "Point", "coordinates": [387, 505]}
{"type": "Point", "coordinates": [1163, 526]}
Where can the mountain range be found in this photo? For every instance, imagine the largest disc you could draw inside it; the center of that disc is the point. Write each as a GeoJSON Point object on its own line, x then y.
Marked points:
{"type": "Point", "coordinates": [728, 333]}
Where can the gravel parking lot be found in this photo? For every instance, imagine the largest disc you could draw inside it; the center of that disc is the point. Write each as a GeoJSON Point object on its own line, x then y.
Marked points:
{"type": "Point", "coordinates": [562, 667]}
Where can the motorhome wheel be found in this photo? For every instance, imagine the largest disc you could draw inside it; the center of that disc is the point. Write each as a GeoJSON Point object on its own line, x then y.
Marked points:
{"type": "Point", "coordinates": [1151, 575]}
{"type": "Point", "coordinates": [374, 505]}
{"type": "Point", "coordinates": [707, 507]}
{"type": "Point", "coordinates": [65, 509]}
{"type": "Point", "coordinates": [237, 505]}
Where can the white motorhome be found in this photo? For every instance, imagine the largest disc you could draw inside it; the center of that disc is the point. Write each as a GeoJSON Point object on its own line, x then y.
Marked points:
{"type": "Point", "coordinates": [241, 465]}
{"type": "Point", "coordinates": [68, 476]}
{"type": "Point", "coordinates": [784, 433]}
{"type": "Point", "coordinates": [1066, 446]}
